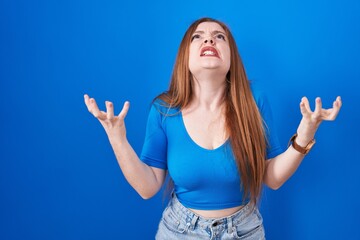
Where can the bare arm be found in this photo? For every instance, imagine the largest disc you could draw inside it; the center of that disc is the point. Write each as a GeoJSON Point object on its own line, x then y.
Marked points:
{"type": "Point", "coordinates": [280, 168]}
{"type": "Point", "coordinates": [144, 179]}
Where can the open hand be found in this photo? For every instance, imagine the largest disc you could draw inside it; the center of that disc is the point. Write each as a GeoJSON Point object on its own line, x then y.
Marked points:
{"type": "Point", "coordinates": [311, 120]}
{"type": "Point", "coordinates": [113, 125]}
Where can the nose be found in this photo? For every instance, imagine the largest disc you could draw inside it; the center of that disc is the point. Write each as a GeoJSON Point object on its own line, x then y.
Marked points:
{"type": "Point", "coordinates": [210, 40]}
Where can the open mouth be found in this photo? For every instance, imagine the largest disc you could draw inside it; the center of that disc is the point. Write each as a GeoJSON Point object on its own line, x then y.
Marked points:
{"type": "Point", "coordinates": [209, 52]}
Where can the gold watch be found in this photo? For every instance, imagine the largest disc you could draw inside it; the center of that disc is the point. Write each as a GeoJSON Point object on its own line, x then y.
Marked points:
{"type": "Point", "coordinates": [300, 149]}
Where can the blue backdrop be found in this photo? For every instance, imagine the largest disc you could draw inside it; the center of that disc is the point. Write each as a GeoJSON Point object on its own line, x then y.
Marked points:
{"type": "Point", "coordinates": [58, 175]}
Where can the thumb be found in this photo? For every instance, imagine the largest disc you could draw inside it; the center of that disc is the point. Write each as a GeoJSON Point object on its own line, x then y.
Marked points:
{"type": "Point", "coordinates": [304, 107]}
{"type": "Point", "coordinates": [124, 110]}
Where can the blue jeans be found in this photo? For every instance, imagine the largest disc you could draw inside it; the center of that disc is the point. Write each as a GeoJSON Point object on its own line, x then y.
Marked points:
{"type": "Point", "coordinates": [178, 222]}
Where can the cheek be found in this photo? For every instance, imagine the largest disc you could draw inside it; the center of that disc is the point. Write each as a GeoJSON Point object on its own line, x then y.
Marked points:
{"type": "Point", "coordinates": [192, 51]}
{"type": "Point", "coordinates": [228, 55]}
{"type": "Point", "coordinates": [192, 56]}
{"type": "Point", "coordinates": [227, 60]}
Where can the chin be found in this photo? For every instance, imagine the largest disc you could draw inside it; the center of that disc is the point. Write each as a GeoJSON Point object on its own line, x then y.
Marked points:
{"type": "Point", "coordinates": [211, 65]}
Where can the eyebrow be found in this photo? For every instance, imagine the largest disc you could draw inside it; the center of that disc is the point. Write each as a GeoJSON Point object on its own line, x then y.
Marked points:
{"type": "Point", "coordinates": [213, 32]}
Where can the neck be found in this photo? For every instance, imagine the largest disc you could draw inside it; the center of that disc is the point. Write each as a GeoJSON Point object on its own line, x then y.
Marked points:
{"type": "Point", "coordinates": [208, 90]}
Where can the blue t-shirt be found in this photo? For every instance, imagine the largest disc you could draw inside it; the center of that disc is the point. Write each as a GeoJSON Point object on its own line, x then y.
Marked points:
{"type": "Point", "coordinates": [203, 179]}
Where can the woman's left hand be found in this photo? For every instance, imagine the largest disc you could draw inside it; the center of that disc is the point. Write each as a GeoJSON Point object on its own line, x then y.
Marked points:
{"type": "Point", "coordinates": [311, 119]}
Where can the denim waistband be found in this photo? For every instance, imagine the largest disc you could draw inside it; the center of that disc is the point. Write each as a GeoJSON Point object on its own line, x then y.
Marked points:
{"type": "Point", "coordinates": [192, 220]}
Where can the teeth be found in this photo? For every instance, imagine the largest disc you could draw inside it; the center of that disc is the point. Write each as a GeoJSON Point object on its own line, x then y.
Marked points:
{"type": "Point", "coordinates": [208, 52]}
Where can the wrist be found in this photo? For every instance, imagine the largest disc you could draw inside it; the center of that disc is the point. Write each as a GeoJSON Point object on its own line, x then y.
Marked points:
{"type": "Point", "coordinates": [305, 132]}
{"type": "Point", "coordinates": [117, 140]}
{"type": "Point", "coordinates": [303, 140]}
{"type": "Point", "coordinates": [303, 149]}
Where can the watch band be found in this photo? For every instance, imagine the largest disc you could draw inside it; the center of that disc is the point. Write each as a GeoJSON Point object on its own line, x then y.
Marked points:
{"type": "Point", "coordinates": [300, 149]}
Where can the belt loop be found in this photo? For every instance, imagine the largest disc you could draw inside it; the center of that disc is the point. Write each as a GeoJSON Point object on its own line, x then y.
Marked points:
{"type": "Point", "coordinates": [193, 221]}
{"type": "Point", "coordinates": [229, 225]}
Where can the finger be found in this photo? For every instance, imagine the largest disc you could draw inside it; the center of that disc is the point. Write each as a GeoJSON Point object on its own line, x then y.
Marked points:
{"type": "Point", "coordinates": [109, 110]}
{"type": "Point", "coordinates": [86, 100]}
{"type": "Point", "coordinates": [338, 101]}
{"type": "Point", "coordinates": [318, 107]}
{"type": "Point", "coordinates": [94, 109]}
{"type": "Point", "coordinates": [336, 108]}
{"type": "Point", "coordinates": [304, 107]}
{"type": "Point", "coordinates": [124, 110]}
{"type": "Point", "coordinates": [88, 103]}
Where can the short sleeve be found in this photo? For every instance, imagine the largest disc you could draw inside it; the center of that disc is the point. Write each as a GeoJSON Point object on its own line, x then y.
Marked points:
{"type": "Point", "coordinates": [273, 146]}
{"type": "Point", "coordinates": [154, 152]}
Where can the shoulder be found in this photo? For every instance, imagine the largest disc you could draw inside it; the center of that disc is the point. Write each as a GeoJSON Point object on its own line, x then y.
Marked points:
{"type": "Point", "coordinates": [164, 108]}
{"type": "Point", "coordinates": [159, 113]}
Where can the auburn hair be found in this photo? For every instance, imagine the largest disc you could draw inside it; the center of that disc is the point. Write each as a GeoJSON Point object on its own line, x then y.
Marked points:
{"type": "Point", "coordinates": [244, 124]}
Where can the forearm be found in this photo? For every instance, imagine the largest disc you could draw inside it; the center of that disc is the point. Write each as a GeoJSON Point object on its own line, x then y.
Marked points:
{"type": "Point", "coordinates": [139, 175]}
{"type": "Point", "coordinates": [280, 168]}
{"type": "Point", "coordinates": [144, 179]}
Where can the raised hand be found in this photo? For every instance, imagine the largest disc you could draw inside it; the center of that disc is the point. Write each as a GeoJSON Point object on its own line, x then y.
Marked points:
{"type": "Point", "coordinates": [113, 125]}
{"type": "Point", "coordinates": [311, 120]}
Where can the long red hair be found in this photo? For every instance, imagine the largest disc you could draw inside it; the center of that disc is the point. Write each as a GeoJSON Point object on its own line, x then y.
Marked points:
{"type": "Point", "coordinates": [244, 124]}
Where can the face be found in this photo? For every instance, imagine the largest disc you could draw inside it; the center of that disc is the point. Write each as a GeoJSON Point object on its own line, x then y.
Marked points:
{"type": "Point", "coordinates": [209, 49]}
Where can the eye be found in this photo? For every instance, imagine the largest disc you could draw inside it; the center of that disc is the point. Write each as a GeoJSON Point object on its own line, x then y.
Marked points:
{"type": "Point", "coordinates": [196, 36]}
{"type": "Point", "coordinates": [220, 36]}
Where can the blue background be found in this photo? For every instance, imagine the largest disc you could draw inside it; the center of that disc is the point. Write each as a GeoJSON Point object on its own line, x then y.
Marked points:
{"type": "Point", "coordinates": [58, 175]}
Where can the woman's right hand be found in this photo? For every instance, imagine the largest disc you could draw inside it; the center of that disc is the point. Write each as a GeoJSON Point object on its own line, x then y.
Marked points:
{"type": "Point", "coordinates": [114, 125]}
{"type": "Point", "coordinates": [144, 179]}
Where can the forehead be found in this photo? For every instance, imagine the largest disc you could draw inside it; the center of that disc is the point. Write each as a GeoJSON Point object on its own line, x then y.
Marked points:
{"type": "Point", "coordinates": [209, 26]}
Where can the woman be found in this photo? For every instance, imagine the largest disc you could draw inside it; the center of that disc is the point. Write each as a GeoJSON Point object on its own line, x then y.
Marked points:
{"type": "Point", "coordinates": [212, 133]}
